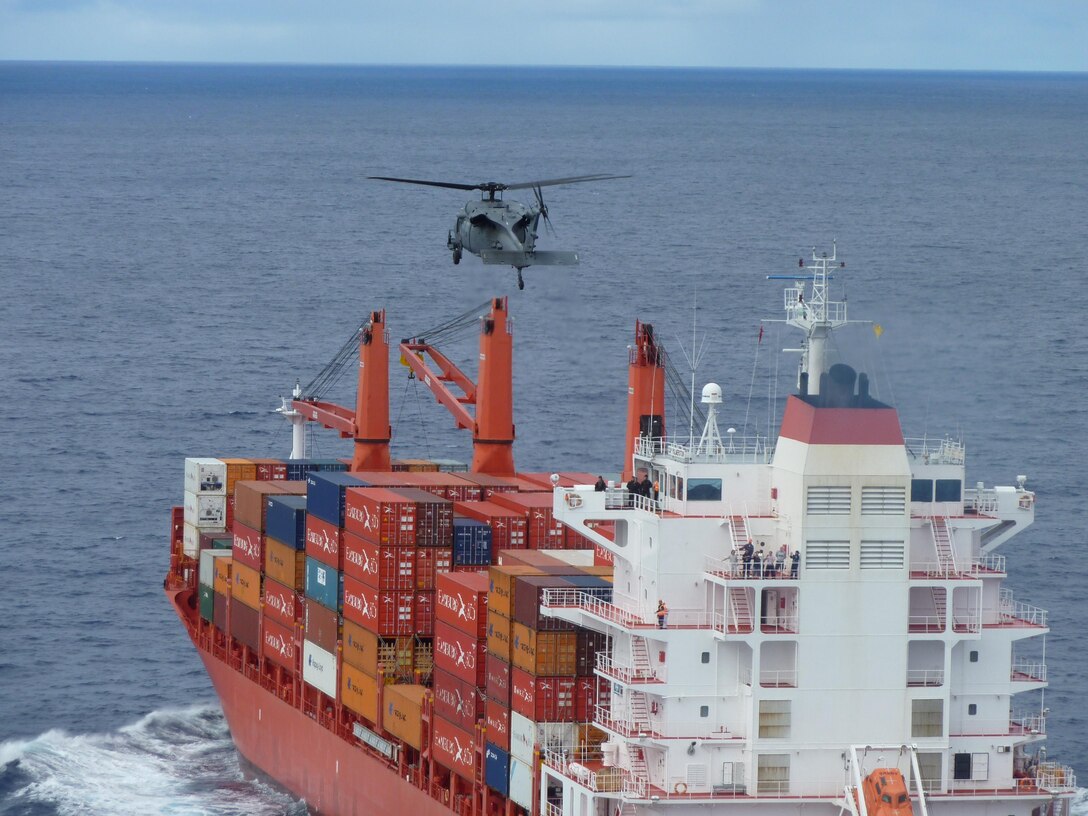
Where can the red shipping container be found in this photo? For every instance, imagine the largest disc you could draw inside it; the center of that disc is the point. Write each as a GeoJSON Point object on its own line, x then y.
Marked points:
{"type": "Point", "coordinates": [269, 470]}
{"type": "Point", "coordinates": [545, 533]}
{"type": "Point", "coordinates": [378, 514]}
{"type": "Point", "coordinates": [508, 527]}
{"type": "Point", "coordinates": [434, 517]}
{"type": "Point", "coordinates": [322, 625]}
{"type": "Point", "coordinates": [459, 702]}
{"type": "Point", "coordinates": [454, 747]}
{"type": "Point", "coordinates": [423, 614]}
{"type": "Point", "coordinates": [460, 600]}
{"type": "Point", "coordinates": [248, 546]}
{"type": "Point", "coordinates": [245, 625]}
{"type": "Point", "coordinates": [542, 699]}
{"type": "Point", "coordinates": [497, 679]}
{"type": "Point", "coordinates": [281, 603]}
{"type": "Point", "coordinates": [378, 565]}
{"type": "Point", "coordinates": [602, 557]}
{"type": "Point", "coordinates": [585, 699]}
{"type": "Point", "coordinates": [324, 541]}
{"type": "Point", "coordinates": [497, 719]}
{"type": "Point", "coordinates": [430, 563]}
{"type": "Point", "coordinates": [279, 644]}
{"type": "Point", "coordinates": [460, 654]}
{"type": "Point", "coordinates": [389, 614]}
{"type": "Point", "coordinates": [489, 485]}
{"type": "Point", "coordinates": [444, 485]}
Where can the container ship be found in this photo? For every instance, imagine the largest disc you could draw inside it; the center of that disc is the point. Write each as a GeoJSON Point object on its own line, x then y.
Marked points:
{"type": "Point", "coordinates": [809, 624]}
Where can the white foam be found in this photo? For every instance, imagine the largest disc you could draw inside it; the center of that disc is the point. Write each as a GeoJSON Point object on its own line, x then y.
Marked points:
{"type": "Point", "coordinates": [178, 761]}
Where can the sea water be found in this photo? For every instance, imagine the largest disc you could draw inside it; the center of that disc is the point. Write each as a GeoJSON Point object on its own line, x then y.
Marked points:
{"type": "Point", "coordinates": [178, 244]}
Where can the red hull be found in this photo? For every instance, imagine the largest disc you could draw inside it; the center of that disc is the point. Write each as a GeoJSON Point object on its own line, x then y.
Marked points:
{"type": "Point", "coordinates": [335, 777]}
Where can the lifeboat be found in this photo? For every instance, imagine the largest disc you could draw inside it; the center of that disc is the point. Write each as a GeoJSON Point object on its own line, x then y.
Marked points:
{"type": "Point", "coordinates": [886, 794]}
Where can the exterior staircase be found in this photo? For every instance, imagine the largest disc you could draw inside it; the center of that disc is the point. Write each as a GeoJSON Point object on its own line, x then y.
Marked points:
{"type": "Point", "coordinates": [942, 542]}
{"type": "Point", "coordinates": [940, 604]}
{"type": "Point", "coordinates": [640, 712]}
{"type": "Point", "coordinates": [738, 531]}
{"type": "Point", "coordinates": [640, 659]}
{"type": "Point", "coordinates": [741, 611]}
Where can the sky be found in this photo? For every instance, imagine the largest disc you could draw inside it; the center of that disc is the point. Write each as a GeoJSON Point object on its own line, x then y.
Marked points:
{"type": "Point", "coordinates": [1000, 35]}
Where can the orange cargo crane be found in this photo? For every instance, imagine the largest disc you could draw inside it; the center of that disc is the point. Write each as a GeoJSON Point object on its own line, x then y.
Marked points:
{"type": "Point", "coordinates": [493, 425]}
{"type": "Point", "coordinates": [645, 392]}
{"type": "Point", "coordinates": [368, 424]}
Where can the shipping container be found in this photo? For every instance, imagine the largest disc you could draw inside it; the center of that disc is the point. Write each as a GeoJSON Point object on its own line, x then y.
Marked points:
{"type": "Point", "coordinates": [402, 713]}
{"type": "Point", "coordinates": [397, 658]}
{"type": "Point", "coordinates": [542, 699]}
{"type": "Point", "coordinates": [280, 644]}
{"type": "Point", "coordinates": [207, 603]}
{"type": "Point", "coordinates": [361, 648]}
{"type": "Point", "coordinates": [359, 692]}
{"type": "Point", "coordinates": [585, 699]}
{"type": "Point", "coordinates": [247, 545]}
{"type": "Point", "coordinates": [527, 558]}
{"type": "Point", "coordinates": [269, 470]}
{"type": "Point", "coordinates": [285, 520]}
{"type": "Point", "coordinates": [543, 530]}
{"type": "Point", "coordinates": [529, 598]}
{"type": "Point", "coordinates": [221, 611]}
{"type": "Point", "coordinates": [223, 578]}
{"type": "Point", "coordinates": [497, 678]}
{"type": "Point", "coordinates": [430, 563]}
{"type": "Point", "coordinates": [285, 564]}
{"type": "Point", "coordinates": [454, 747]}
{"type": "Point", "coordinates": [322, 625]}
{"type": "Point", "coordinates": [380, 566]}
{"type": "Point", "coordinates": [521, 783]}
{"type": "Point", "coordinates": [197, 539]}
{"type": "Point", "coordinates": [433, 516]}
{"type": "Point", "coordinates": [458, 701]}
{"type": "Point", "coordinates": [502, 585]}
{"type": "Point", "coordinates": [389, 614]}
{"type": "Point", "coordinates": [298, 468]}
{"type": "Point", "coordinates": [544, 653]}
{"type": "Point", "coordinates": [280, 602]}
{"type": "Point", "coordinates": [497, 720]}
{"type": "Point", "coordinates": [490, 484]}
{"type": "Point", "coordinates": [245, 624]}
{"type": "Point", "coordinates": [205, 475]}
{"type": "Point", "coordinates": [523, 737]}
{"type": "Point", "coordinates": [499, 636]}
{"type": "Point", "coordinates": [325, 495]}
{"type": "Point", "coordinates": [588, 644]}
{"type": "Point", "coordinates": [443, 486]}
{"type": "Point", "coordinates": [239, 470]}
{"type": "Point", "coordinates": [508, 527]}
{"type": "Point", "coordinates": [250, 500]}
{"type": "Point", "coordinates": [319, 668]}
{"type": "Point", "coordinates": [423, 614]}
{"type": "Point", "coordinates": [324, 541]}
{"type": "Point", "coordinates": [206, 574]}
{"type": "Point", "coordinates": [496, 768]}
{"type": "Point", "coordinates": [205, 511]}
{"type": "Point", "coordinates": [324, 584]}
{"type": "Point", "coordinates": [381, 515]}
{"type": "Point", "coordinates": [461, 601]}
{"type": "Point", "coordinates": [414, 466]}
{"type": "Point", "coordinates": [246, 586]}
{"type": "Point", "coordinates": [460, 654]}
{"type": "Point", "coordinates": [471, 542]}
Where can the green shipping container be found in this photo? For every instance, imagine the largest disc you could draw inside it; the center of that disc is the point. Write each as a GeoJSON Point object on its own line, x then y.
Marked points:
{"type": "Point", "coordinates": [207, 603]}
{"type": "Point", "coordinates": [222, 543]}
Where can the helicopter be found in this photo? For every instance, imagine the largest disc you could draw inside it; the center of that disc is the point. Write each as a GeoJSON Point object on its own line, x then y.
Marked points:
{"type": "Point", "coordinates": [503, 232]}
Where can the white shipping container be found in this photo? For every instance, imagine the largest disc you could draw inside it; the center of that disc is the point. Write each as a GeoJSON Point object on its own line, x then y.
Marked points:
{"type": "Point", "coordinates": [207, 565]}
{"type": "Point", "coordinates": [205, 475]}
{"type": "Point", "coordinates": [205, 511]}
{"type": "Point", "coordinates": [523, 734]}
{"type": "Point", "coordinates": [319, 668]}
{"type": "Point", "coordinates": [190, 539]}
{"type": "Point", "coordinates": [521, 784]}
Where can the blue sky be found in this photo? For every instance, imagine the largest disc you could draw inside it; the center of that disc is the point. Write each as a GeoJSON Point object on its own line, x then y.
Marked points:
{"type": "Point", "coordinates": [1015, 35]}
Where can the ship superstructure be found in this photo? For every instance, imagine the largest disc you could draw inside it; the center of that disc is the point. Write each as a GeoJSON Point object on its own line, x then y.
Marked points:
{"type": "Point", "coordinates": [812, 624]}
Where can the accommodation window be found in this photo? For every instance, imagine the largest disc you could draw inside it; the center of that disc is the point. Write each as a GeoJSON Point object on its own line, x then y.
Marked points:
{"type": "Point", "coordinates": [973, 656]}
{"type": "Point", "coordinates": [948, 490]}
{"type": "Point", "coordinates": [828, 501]}
{"type": "Point", "coordinates": [972, 709]}
{"type": "Point", "coordinates": [774, 718]}
{"type": "Point", "coordinates": [927, 718]}
{"type": "Point", "coordinates": [704, 711]}
{"type": "Point", "coordinates": [705, 657]}
{"type": "Point", "coordinates": [921, 490]}
{"type": "Point", "coordinates": [704, 489]}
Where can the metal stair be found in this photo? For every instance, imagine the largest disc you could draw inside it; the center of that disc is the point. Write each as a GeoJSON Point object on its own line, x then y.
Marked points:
{"type": "Point", "coordinates": [940, 604]}
{"type": "Point", "coordinates": [640, 659]}
{"type": "Point", "coordinates": [640, 712]}
{"type": "Point", "coordinates": [638, 762]}
{"type": "Point", "coordinates": [741, 611]}
{"type": "Point", "coordinates": [942, 541]}
{"type": "Point", "coordinates": [738, 530]}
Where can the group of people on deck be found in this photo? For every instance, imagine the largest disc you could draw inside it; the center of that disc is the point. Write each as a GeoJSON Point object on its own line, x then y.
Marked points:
{"type": "Point", "coordinates": [763, 562]}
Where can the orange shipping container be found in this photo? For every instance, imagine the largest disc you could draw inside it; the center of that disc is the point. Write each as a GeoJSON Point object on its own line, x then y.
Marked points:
{"type": "Point", "coordinates": [285, 564]}
{"type": "Point", "coordinates": [246, 586]}
{"type": "Point", "coordinates": [501, 587]}
{"type": "Point", "coordinates": [544, 653]}
{"type": "Point", "coordinates": [238, 470]}
{"type": "Point", "coordinates": [359, 692]}
{"type": "Point", "coordinates": [402, 713]}
{"type": "Point", "coordinates": [250, 504]}
{"type": "Point", "coordinates": [360, 648]}
{"type": "Point", "coordinates": [223, 582]}
{"type": "Point", "coordinates": [498, 636]}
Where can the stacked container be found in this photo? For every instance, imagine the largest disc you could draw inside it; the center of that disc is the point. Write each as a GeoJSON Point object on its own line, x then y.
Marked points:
{"type": "Point", "coordinates": [205, 506]}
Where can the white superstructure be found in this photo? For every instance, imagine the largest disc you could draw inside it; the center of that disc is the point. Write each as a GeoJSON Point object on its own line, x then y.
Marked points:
{"type": "Point", "coordinates": [869, 628]}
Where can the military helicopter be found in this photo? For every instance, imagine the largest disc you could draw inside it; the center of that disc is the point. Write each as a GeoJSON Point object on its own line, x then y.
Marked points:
{"type": "Point", "coordinates": [503, 232]}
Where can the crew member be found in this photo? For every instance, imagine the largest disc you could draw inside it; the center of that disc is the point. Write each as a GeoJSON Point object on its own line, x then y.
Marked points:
{"type": "Point", "coordinates": [662, 615]}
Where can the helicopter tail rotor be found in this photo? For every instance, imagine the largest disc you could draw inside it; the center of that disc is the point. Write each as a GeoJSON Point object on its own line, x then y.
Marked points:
{"type": "Point", "coordinates": [543, 208]}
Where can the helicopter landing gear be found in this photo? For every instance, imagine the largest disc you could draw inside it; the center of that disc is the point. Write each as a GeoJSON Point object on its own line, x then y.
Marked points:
{"type": "Point", "coordinates": [521, 280]}
{"type": "Point", "coordinates": [456, 256]}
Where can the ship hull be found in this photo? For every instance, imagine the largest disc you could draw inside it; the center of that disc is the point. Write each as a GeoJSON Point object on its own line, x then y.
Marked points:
{"type": "Point", "coordinates": [333, 776]}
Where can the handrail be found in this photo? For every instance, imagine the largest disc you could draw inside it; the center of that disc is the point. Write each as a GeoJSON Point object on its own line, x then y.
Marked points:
{"type": "Point", "coordinates": [592, 603]}
{"type": "Point", "coordinates": [629, 675]}
{"type": "Point", "coordinates": [925, 677]}
{"type": "Point", "coordinates": [1034, 670]}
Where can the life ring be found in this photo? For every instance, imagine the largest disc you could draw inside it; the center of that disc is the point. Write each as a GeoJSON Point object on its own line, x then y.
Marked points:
{"type": "Point", "coordinates": [574, 501]}
{"type": "Point", "coordinates": [680, 788]}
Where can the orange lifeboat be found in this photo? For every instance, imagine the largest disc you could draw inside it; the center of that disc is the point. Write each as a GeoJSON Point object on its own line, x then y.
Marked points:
{"type": "Point", "coordinates": [885, 793]}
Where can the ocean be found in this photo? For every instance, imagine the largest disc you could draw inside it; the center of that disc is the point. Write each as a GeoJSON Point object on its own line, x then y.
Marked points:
{"type": "Point", "coordinates": [180, 243]}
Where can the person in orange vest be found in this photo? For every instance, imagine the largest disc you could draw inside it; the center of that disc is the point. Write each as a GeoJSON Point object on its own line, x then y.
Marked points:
{"type": "Point", "coordinates": [662, 614]}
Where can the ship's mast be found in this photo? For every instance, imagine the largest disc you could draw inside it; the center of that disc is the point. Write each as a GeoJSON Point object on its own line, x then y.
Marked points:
{"type": "Point", "coordinates": [298, 423]}
{"type": "Point", "coordinates": [815, 314]}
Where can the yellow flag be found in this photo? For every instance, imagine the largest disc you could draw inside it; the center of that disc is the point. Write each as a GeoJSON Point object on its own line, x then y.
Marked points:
{"type": "Point", "coordinates": [878, 329]}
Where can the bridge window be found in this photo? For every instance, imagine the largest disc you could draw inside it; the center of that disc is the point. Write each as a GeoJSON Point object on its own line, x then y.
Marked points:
{"type": "Point", "coordinates": [704, 489]}
{"type": "Point", "coordinates": [949, 490]}
{"type": "Point", "coordinates": [921, 490]}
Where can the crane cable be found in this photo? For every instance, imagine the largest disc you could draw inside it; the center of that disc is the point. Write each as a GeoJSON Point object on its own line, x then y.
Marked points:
{"type": "Point", "coordinates": [334, 370]}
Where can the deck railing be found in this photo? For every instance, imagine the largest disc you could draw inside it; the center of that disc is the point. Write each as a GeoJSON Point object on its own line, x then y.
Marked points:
{"type": "Point", "coordinates": [1024, 670]}
{"type": "Point", "coordinates": [925, 677]}
{"type": "Point", "coordinates": [593, 602]}
{"type": "Point", "coordinates": [629, 675]}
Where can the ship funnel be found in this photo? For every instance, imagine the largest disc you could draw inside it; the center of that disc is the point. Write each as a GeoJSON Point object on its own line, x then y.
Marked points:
{"type": "Point", "coordinates": [645, 393]}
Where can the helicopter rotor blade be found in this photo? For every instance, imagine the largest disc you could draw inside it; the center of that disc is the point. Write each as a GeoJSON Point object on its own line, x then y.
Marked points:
{"type": "Point", "coordinates": [543, 209]}
{"type": "Point", "coordinates": [447, 184]}
{"type": "Point", "coordinates": [524, 185]}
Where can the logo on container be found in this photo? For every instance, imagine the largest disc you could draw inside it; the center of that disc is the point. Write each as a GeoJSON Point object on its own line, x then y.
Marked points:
{"type": "Point", "coordinates": [248, 547]}
{"type": "Point", "coordinates": [280, 602]}
{"type": "Point", "coordinates": [277, 643]}
{"type": "Point", "coordinates": [525, 694]}
{"type": "Point", "coordinates": [361, 605]}
{"type": "Point", "coordinates": [320, 539]}
{"type": "Point", "coordinates": [457, 605]}
{"type": "Point", "coordinates": [461, 755]}
{"type": "Point", "coordinates": [363, 514]}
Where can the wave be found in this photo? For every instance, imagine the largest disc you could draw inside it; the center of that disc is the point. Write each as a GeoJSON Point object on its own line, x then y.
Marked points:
{"type": "Point", "coordinates": [175, 762]}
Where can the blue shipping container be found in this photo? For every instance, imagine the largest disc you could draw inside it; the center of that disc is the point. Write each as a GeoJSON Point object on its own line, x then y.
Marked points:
{"type": "Point", "coordinates": [471, 543]}
{"type": "Point", "coordinates": [325, 494]}
{"type": "Point", "coordinates": [497, 768]}
{"type": "Point", "coordinates": [286, 520]}
{"type": "Point", "coordinates": [324, 584]}
{"type": "Point", "coordinates": [298, 468]}
{"type": "Point", "coordinates": [599, 587]}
